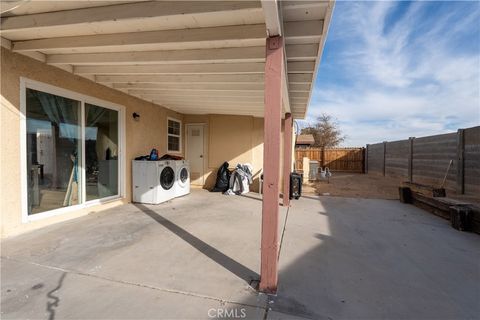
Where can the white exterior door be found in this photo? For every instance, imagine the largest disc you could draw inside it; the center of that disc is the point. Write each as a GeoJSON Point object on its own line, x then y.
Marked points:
{"type": "Point", "coordinates": [195, 153]}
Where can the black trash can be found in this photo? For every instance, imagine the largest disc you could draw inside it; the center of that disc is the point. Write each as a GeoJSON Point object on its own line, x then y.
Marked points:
{"type": "Point", "coordinates": [461, 218]}
{"type": "Point", "coordinates": [405, 194]}
{"type": "Point", "coordinates": [295, 185]}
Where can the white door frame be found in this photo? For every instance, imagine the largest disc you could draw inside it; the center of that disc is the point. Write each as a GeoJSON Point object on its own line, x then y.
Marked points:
{"type": "Point", "coordinates": [205, 147]}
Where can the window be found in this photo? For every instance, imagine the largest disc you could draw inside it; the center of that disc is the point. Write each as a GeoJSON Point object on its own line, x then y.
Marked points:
{"type": "Point", "coordinates": [71, 150]}
{"type": "Point", "coordinates": [174, 135]}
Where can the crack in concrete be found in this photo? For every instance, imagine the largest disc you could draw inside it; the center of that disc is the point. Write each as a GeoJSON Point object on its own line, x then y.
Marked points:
{"type": "Point", "coordinates": [283, 233]}
{"type": "Point", "coordinates": [186, 293]}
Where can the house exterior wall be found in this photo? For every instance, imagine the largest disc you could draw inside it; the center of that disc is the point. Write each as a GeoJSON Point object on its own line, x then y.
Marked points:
{"type": "Point", "coordinates": [231, 138]}
{"type": "Point", "coordinates": [141, 136]}
{"type": "Point", "coordinates": [236, 139]}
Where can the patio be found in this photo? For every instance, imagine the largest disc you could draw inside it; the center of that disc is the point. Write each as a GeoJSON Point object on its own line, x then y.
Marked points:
{"type": "Point", "coordinates": [196, 256]}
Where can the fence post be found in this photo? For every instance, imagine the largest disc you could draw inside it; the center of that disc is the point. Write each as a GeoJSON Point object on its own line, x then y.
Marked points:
{"type": "Point", "coordinates": [460, 161]}
{"type": "Point", "coordinates": [384, 157]}
{"type": "Point", "coordinates": [322, 157]}
{"type": "Point", "coordinates": [410, 158]}
{"type": "Point", "coordinates": [365, 159]}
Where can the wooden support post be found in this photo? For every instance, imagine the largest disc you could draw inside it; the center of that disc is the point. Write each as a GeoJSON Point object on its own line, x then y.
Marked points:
{"type": "Point", "coordinates": [287, 158]}
{"type": "Point", "coordinates": [410, 159]}
{"type": "Point", "coordinates": [461, 161]}
{"type": "Point", "coordinates": [271, 158]}
{"type": "Point", "coordinates": [384, 157]}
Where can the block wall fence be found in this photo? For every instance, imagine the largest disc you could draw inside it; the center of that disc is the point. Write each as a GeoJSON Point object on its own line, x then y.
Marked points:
{"type": "Point", "coordinates": [425, 160]}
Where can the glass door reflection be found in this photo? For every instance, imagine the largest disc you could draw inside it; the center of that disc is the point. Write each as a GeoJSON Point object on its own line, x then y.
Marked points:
{"type": "Point", "coordinates": [101, 152]}
{"type": "Point", "coordinates": [54, 155]}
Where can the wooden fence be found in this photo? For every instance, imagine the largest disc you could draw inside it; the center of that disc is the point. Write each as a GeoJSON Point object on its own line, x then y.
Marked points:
{"type": "Point", "coordinates": [336, 159]}
{"type": "Point", "coordinates": [425, 160]}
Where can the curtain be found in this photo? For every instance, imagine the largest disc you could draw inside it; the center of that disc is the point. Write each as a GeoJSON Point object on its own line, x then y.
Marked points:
{"type": "Point", "coordinates": [62, 112]}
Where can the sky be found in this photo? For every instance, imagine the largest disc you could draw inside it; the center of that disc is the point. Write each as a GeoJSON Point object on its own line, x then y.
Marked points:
{"type": "Point", "coordinates": [393, 70]}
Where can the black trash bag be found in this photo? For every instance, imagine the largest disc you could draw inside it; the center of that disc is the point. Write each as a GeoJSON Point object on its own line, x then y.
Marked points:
{"type": "Point", "coordinates": [223, 178]}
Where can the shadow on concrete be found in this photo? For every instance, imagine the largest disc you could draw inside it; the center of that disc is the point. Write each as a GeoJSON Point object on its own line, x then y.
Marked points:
{"type": "Point", "coordinates": [55, 301]}
{"type": "Point", "coordinates": [373, 259]}
{"type": "Point", "coordinates": [246, 195]}
{"type": "Point", "coordinates": [225, 261]}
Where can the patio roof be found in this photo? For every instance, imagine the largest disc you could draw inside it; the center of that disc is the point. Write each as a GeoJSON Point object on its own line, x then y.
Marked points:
{"type": "Point", "coordinates": [193, 57]}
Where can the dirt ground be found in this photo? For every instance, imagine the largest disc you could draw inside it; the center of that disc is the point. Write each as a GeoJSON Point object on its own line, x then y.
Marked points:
{"type": "Point", "coordinates": [355, 185]}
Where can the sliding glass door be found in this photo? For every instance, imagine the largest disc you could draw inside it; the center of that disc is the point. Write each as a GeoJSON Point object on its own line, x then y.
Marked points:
{"type": "Point", "coordinates": [72, 151]}
{"type": "Point", "coordinates": [101, 152]}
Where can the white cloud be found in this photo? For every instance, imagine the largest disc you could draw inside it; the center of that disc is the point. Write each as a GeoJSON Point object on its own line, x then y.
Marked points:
{"type": "Point", "coordinates": [402, 82]}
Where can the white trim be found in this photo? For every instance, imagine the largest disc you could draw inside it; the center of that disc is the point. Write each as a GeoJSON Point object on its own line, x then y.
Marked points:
{"type": "Point", "coordinates": [23, 152]}
{"type": "Point", "coordinates": [121, 154]}
{"type": "Point", "coordinates": [179, 151]}
{"type": "Point", "coordinates": [83, 99]}
{"type": "Point", "coordinates": [64, 210]}
{"type": "Point", "coordinates": [83, 169]}
{"type": "Point", "coordinates": [205, 148]}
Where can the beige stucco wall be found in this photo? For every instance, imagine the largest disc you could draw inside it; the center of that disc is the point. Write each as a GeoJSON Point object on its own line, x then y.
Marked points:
{"type": "Point", "coordinates": [141, 136]}
{"type": "Point", "coordinates": [235, 139]}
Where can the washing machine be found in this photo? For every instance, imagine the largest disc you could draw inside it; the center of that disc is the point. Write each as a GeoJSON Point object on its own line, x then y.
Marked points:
{"type": "Point", "coordinates": [182, 178]}
{"type": "Point", "coordinates": [153, 181]}
{"type": "Point", "coordinates": [144, 181]}
{"type": "Point", "coordinates": [166, 177]}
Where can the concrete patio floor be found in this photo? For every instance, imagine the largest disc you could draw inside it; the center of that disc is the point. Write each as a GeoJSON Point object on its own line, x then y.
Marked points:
{"type": "Point", "coordinates": [194, 258]}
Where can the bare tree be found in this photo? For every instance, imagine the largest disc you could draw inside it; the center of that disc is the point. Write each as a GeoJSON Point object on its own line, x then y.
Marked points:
{"type": "Point", "coordinates": [325, 131]}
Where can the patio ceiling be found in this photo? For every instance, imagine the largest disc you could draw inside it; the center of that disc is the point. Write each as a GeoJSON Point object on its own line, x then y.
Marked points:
{"type": "Point", "coordinates": [193, 57]}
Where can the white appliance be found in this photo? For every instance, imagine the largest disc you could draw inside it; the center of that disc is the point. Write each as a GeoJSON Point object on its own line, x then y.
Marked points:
{"type": "Point", "coordinates": [166, 177]}
{"type": "Point", "coordinates": [153, 182]}
{"type": "Point", "coordinates": [182, 178]}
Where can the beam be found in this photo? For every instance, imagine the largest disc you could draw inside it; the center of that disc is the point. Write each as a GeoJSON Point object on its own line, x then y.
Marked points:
{"type": "Point", "coordinates": [192, 87]}
{"type": "Point", "coordinates": [146, 12]}
{"type": "Point", "coordinates": [218, 107]}
{"type": "Point", "coordinates": [303, 52]}
{"type": "Point", "coordinates": [229, 36]}
{"type": "Point", "coordinates": [274, 74]}
{"type": "Point", "coordinates": [287, 157]}
{"type": "Point", "coordinates": [273, 19]}
{"type": "Point", "coordinates": [300, 67]}
{"type": "Point", "coordinates": [197, 94]}
{"type": "Point", "coordinates": [310, 31]}
{"type": "Point", "coordinates": [238, 112]}
{"type": "Point", "coordinates": [191, 78]}
{"type": "Point", "coordinates": [34, 55]}
{"type": "Point", "coordinates": [212, 100]}
{"type": "Point", "coordinates": [303, 4]}
{"type": "Point", "coordinates": [203, 68]}
{"type": "Point", "coordinates": [222, 55]}
{"type": "Point", "coordinates": [219, 104]}
{"type": "Point", "coordinates": [299, 87]}
{"type": "Point", "coordinates": [299, 78]}
{"type": "Point", "coordinates": [296, 101]}
{"type": "Point", "coordinates": [299, 95]}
